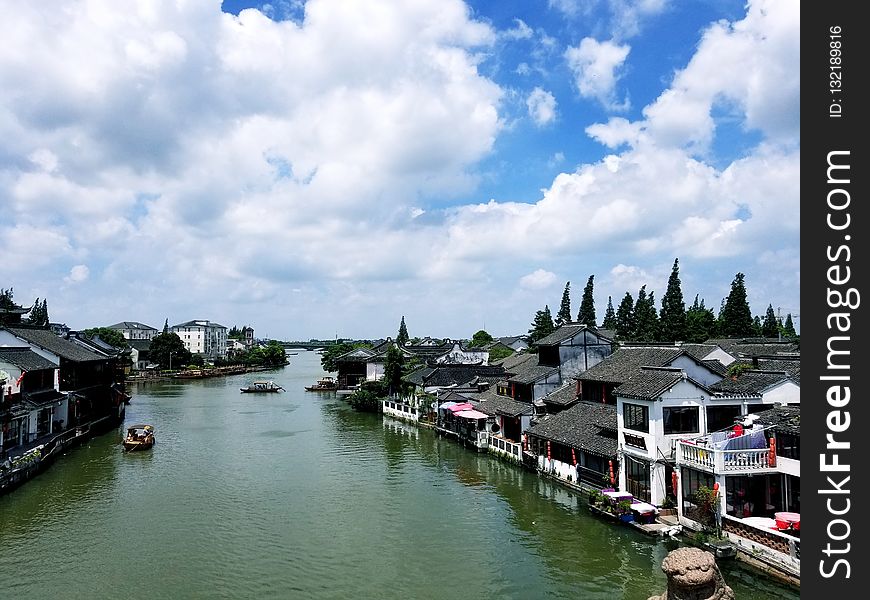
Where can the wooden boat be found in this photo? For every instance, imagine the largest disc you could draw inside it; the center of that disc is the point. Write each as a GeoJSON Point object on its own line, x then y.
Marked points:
{"type": "Point", "coordinates": [262, 387]}
{"type": "Point", "coordinates": [139, 437]}
{"type": "Point", "coordinates": [324, 384]}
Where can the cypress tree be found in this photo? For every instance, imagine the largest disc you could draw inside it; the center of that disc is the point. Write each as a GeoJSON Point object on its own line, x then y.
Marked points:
{"type": "Point", "coordinates": [542, 325]}
{"type": "Point", "coordinates": [625, 318]}
{"type": "Point", "coordinates": [564, 314]}
{"type": "Point", "coordinates": [735, 319]}
{"type": "Point", "coordinates": [770, 325]}
{"type": "Point", "coordinates": [402, 336]}
{"type": "Point", "coordinates": [756, 326]}
{"type": "Point", "coordinates": [609, 316]}
{"type": "Point", "coordinates": [166, 326]}
{"type": "Point", "coordinates": [700, 322]}
{"type": "Point", "coordinates": [587, 306]}
{"type": "Point", "coordinates": [673, 313]}
{"type": "Point", "coordinates": [788, 329]}
{"type": "Point", "coordinates": [646, 317]}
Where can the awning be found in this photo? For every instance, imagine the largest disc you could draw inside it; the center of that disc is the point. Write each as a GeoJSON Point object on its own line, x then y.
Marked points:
{"type": "Point", "coordinates": [42, 399]}
{"type": "Point", "coordinates": [472, 414]}
{"type": "Point", "coordinates": [460, 407]}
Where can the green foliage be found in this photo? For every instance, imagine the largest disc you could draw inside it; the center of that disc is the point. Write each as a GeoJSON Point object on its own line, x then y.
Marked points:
{"type": "Point", "coordinates": [196, 360]}
{"type": "Point", "coordinates": [369, 397]}
{"type": "Point", "coordinates": [595, 497]}
{"type": "Point", "coordinates": [393, 370]}
{"type": "Point", "coordinates": [788, 328]}
{"type": "Point", "coordinates": [672, 324]}
{"type": "Point", "coordinates": [646, 318]}
{"type": "Point", "coordinates": [625, 322]}
{"type": "Point", "coordinates": [6, 301]}
{"type": "Point", "coordinates": [499, 352]}
{"type": "Point", "coordinates": [237, 333]}
{"type": "Point", "coordinates": [736, 369]}
{"type": "Point", "coordinates": [735, 318]}
{"type": "Point", "coordinates": [270, 355]}
{"type": "Point", "coordinates": [38, 314]}
{"type": "Point", "coordinates": [480, 338]}
{"type": "Point", "coordinates": [542, 325]}
{"type": "Point", "coordinates": [113, 337]}
{"type": "Point", "coordinates": [564, 314]}
{"type": "Point", "coordinates": [770, 325]}
{"type": "Point", "coordinates": [700, 322]}
{"type": "Point", "coordinates": [623, 507]}
{"type": "Point", "coordinates": [586, 315]}
{"type": "Point", "coordinates": [704, 501]}
{"type": "Point", "coordinates": [402, 336]}
{"type": "Point", "coordinates": [167, 350]}
{"type": "Point", "coordinates": [609, 316]}
{"type": "Point", "coordinates": [756, 326]}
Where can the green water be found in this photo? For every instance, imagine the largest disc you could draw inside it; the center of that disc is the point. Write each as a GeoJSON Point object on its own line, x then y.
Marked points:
{"type": "Point", "coordinates": [295, 495]}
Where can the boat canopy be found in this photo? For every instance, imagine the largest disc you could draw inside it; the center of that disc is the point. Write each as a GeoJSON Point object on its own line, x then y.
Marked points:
{"type": "Point", "coordinates": [145, 427]}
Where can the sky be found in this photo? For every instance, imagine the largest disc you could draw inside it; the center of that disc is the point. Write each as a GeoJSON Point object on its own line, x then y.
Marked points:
{"type": "Point", "coordinates": [321, 169]}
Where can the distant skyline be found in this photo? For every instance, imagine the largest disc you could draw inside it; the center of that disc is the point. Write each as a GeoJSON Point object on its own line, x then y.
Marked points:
{"type": "Point", "coordinates": [320, 169]}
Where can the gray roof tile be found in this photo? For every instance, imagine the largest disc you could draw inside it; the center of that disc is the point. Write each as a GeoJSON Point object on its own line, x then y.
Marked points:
{"type": "Point", "coordinates": [587, 426]}
{"type": "Point", "coordinates": [55, 344]}
{"type": "Point", "coordinates": [25, 359]}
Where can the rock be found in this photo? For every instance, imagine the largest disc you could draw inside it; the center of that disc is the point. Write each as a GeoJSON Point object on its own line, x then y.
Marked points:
{"type": "Point", "coordinates": [693, 575]}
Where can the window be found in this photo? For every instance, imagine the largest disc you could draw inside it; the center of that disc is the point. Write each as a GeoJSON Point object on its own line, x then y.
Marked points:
{"type": "Point", "coordinates": [788, 445]}
{"type": "Point", "coordinates": [636, 417]}
{"type": "Point", "coordinates": [690, 482]}
{"type": "Point", "coordinates": [635, 440]}
{"type": "Point", "coordinates": [637, 478]}
{"type": "Point", "coordinates": [721, 417]}
{"type": "Point", "coordinates": [681, 419]}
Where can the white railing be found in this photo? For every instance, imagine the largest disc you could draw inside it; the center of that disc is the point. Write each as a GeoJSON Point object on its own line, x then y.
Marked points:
{"type": "Point", "coordinates": [502, 446]}
{"type": "Point", "coordinates": [724, 461]}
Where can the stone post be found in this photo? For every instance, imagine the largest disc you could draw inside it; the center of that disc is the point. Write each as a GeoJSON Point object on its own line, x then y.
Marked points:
{"type": "Point", "coordinates": [693, 575]}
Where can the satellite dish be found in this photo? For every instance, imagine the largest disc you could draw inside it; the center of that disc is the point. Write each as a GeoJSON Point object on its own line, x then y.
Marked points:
{"type": "Point", "coordinates": [434, 405]}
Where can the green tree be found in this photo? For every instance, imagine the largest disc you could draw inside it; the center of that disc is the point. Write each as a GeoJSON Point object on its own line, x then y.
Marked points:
{"type": "Point", "coordinates": [756, 326]}
{"type": "Point", "coordinates": [113, 337]}
{"type": "Point", "coordinates": [6, 301]}
{"type": "Point", "coordinates": [672, 323]}
{"type": "Point", "coordinates": [625, 323]}
{"type": "Point", "coordinates": [609, 315]}
{"type": "Point", "coordinates": [542, 325]}
{"type": "Point", "coordinates": [499, 352]}
{"type": "Point", "coordinates": [327, 358]}
{"type": "Point", "coordinates": [587, 306]}
{"type": "Point", "coordinates": [646, 318]}
{"type": "Point", "coordinates": [700, 322]}
{"type": "Point", "coordinates": [402, 338]}
{"type": "Point", "coordinates": [168, 349]}
{"type": "Point", "coordinates": [38, 316]}
{"type": "Point", "coordinates": [166, 326]}
{"type": "Point", "coordinates": [735, 319]}
{"type": "Point", "coordinates": [788, 330]}
{"type": "Point", "coordinates": [480, 338]}
{"type": "Point", "coordinates": [393, 370]}
{"type": "Point", "coordinates": [564, 314]}
{"type": "Point", "coordinates": [770, 324]}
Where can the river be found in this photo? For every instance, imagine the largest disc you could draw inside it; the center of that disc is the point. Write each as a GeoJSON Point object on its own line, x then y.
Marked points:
{"type": "Point", "coordinates": [295, 495]}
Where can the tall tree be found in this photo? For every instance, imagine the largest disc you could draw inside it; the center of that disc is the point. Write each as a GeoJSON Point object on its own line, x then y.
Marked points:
{"type": "Point", "coordinates": [770, 324]}
{"type": "Point", "coordinates": [6, 299]}
{"type": "Point", "coordinates": [700, 322]}
{"type": "Point", "coordinates": [587, 306]}
{"type": "Point", "coordinates": [402, 337]}
{"type": "Point", "coordinates": [756, 326]}
{"type": "Point", "coordinates": [609, 315]}
{"type": "Point", "coordinates": [625, 318]}
{"type": "Point", "coordinates": [166, 326]}
{"type": "Point", "coordinates": [672, 324]}
{"type": "Point", "coordinates": [646, 317]}
{"type": "Point", "coordinates": [735, 319]}
{"type": "Point", "coordinates": [542, 325]}
{"type": "Point", "coordinates": [393, 370]}
{"type": "Point", "coordinates": [480, 338]}
{"type": "Point", "coordinates": [564, 314]}
{"type": "Point", "coordinates": [168, 350]}
{"type": "Point", "coordinates": [788, 330]}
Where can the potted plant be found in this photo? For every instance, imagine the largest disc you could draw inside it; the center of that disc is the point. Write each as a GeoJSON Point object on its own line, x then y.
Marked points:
{"type": "Point", "coordinates": [623, 511]}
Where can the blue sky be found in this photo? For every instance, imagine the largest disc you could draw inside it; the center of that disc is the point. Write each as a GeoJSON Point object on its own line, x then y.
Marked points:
{"type": "Point", "coordinates": [324, 168]}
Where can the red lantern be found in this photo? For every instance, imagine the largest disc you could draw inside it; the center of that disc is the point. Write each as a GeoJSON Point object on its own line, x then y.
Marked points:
{"type": "Point", "coordinates": [573, 457]}
{"type": "Point", "coordinates": [771, 455]}
{"type": "Point", "coordinates": [525, 443]}
{"type": "Point", "coordinates": [612, 478]}
{"type": "Point", "coordinates": [674, 483]}
{"type": "Point", "coordinates": [548, 449]}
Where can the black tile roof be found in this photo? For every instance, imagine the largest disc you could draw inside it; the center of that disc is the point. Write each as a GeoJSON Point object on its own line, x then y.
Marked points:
{"type": "Point", "coordinates": [514, 361]}
{"type": "Point", "coordinates": [55, 344]}
{"type": "Point", "coordinates": [564, 396]}
{"type": "Point", "coordinates": [25, 359]}
{"type": "Point", "coordinates": [139, 345]}
{"type": "Point", "coordinates": [494, 404]}
{"type": "Point", "coordinates": [198, 323]}
{"type": "Point", "coordinates": [627, 361]}
{"type": "Point", "coordinates": [792, 366]}
{"type": "Point", "coordinates": [715, 366]}
{"type": "Point", "coordinates": [587, 426]}
{"type": "Point", "coordinates": [562, 333]}
{"type": "Point", "coordinates": [756, 346]}
{"type": "Point", "coordinates": [699, 351]}
{"type": "Point", "coordinates": [749, 383]}
{"type": "Point", "coordinates": [786, 419]}
{"type": "Point", "coordinates": [448, 374]}
{"type": "Point", "coordinates": [131, 325]}
{"type": "Point", "coordinates": [649, 384]}
{"type": "Point", "coordinates": [530, 373]}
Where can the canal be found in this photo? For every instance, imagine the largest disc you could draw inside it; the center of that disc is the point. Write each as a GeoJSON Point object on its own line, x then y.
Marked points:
{"type": "Point", "coordinates": [295, 495]}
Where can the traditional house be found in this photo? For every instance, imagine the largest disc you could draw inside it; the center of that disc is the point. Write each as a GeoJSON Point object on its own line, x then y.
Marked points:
{"type": "Point", "coordinates": [133, 330]}
{"type": "Point", "coordinates": [573, 348]}
{"type": "Point", "coordinates": [140, 354]}
{"type": "Point", "coordinates": [517, 343]}
{"type": "Point", "coordinates": [561, 399]}
{"type": "Point", "coordinates": [511, 419]}
{"type": "Point", "coordinates": [31, 407]}
{"type": "Point", "coordinates": [577, 445]}
{"type": "Point", "coordinates": [598, 383]}
{"type": "Point", "coordinates": [352, 367]}
{"type": "Point", "coordinates": [708, 352]}
{"type": "Point", "coordinates": [90, 378]}
{"type": "Point", "coordinates": [203, 337]}
{"type": "Point", "coordinates": [529, 381]}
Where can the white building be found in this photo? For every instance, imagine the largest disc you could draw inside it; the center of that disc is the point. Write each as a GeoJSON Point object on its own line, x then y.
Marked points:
{"type": "Point", "coordinates": [203, 337]}
{"type": "Point", "coordinates": [132, 330]}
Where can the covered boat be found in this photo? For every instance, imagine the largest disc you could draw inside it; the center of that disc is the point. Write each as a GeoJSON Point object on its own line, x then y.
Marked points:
{"type": "Point", "coordinates": [261, 387]}
{"type": "Point", "coordinates": [324, 384]}
{"type": "Point", "coordinates": [139, 437]}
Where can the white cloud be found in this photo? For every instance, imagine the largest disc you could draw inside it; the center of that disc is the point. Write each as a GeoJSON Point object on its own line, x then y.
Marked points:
{"type": "Point", "coordinates": [520, 31]}
{"type": "Point", "coordinates": [542, 107]}
{"type": "Point", "coordinates": [616, 132]}
{"type": "Point", "coordinates": [523, 69]}
{"type": "Point", "coordinates": [596, 67]}
{"type": "Point", "coordinates": [78, 274]}
{"type": "Point", "coordinates": [538, 280]}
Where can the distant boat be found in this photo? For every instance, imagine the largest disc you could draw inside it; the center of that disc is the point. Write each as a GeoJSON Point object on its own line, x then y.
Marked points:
{"type": "Point", "coordinates": [139, 437]}
{"type": "Point", "coordinates": [324, 384]}
{"type": "Point", "coordinates": [262, 387]}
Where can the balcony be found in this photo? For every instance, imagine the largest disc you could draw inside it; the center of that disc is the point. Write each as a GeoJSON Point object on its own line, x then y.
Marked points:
{"type": "Point", "coordinates": [724, 462]}
{"type": "Point", "coordinates": [506, 447]}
